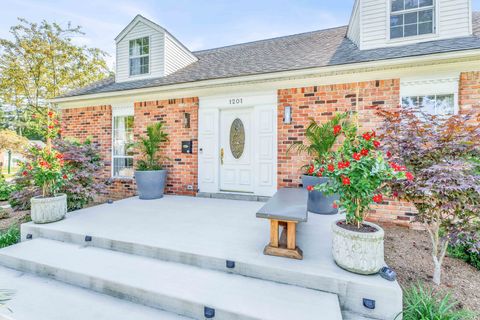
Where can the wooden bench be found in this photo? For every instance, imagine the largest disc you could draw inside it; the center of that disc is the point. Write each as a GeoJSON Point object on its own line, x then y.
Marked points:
{"type": "Point", "coordinates": [286, 208]}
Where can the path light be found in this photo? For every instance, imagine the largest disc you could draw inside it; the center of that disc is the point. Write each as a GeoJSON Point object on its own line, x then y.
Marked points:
{"type": "Point", "coordinates": [287, 115]}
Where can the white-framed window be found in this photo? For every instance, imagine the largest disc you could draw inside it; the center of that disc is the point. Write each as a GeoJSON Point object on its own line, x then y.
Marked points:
{"type": "Point", "coordinates": [139, 53]}
{"type": "Point", "coordinates": [436, 104]}
{"type": "Point", "coordinates": [122, 153]}
{"type": "Point", "coordinates": [411, 18]}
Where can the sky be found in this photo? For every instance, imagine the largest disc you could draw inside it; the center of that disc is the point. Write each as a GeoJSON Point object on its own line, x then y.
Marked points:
{"type": "Point", "coordinates": [198, 24]}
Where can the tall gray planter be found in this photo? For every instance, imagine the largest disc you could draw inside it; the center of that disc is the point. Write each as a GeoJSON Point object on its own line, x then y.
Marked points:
{"type": "Point", "coordinates": [151, 184]}
{"type": "Point", "coordinates": [317, 201]}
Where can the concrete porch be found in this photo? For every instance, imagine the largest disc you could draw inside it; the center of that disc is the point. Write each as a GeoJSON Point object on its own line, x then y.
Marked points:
{"type": "Point", "coordinates": [190, 239]}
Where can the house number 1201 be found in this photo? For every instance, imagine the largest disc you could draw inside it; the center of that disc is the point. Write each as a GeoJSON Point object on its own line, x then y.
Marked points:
{"type": "Point", "coordinates": [236, 101]}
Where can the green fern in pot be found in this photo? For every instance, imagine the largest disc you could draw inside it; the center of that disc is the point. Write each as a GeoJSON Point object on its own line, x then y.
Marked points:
{"type": "Point", "coordinates": [150, 175]}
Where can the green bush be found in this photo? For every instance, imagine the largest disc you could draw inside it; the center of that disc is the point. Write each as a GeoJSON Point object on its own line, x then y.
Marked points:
{"type": "Point", "coordinates": [424, 304]}
{"type": "Point", "coordinates": [5, 189]}
{"type": "Point", "coordinates": [10, 237]}
{"type": "Point", "coordinates": [466, 246]}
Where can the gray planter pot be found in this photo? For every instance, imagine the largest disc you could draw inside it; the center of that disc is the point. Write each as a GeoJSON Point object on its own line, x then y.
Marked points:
{"type": "Point", "coordinates": [151, 184]}
{"type": "Point", "coordinates": [46, 210]}
{"type": "Point", "coordinates": [317, 201]}
{"type": "Point", "coordinates": [358, 252]}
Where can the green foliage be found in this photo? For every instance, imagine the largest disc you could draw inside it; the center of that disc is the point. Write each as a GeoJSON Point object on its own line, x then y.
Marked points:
{"type": "Point", "coordinates": [10, 237]}
{"type": "Point", "coordinates": [465, 246]}
{"type": "Point", "coordinates": [358, 173]}
{"type": "Point", "coordinates": [320, 138]}
{"type": "Point", "coordinates": [421, 303]}
{"type": "Point", "coordinates": [149, 147]}
{"type": "Point", "coordinates": [39, 63]}
{"type": "Point", "coordinates": [5, 189]}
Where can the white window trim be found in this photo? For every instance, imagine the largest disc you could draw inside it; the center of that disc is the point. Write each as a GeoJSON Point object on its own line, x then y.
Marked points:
{"type": "Point", "coordinates": [420, 37]}
{"type": "Point", "coordinates": [119, 111]}
{"type": "Point", "coordinates": [139, 56]}
{"type": "Point", "coordinates": [425, 87]}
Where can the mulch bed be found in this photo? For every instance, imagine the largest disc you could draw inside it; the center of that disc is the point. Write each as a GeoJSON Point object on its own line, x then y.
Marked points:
{"type": "Point", "coordinates": [408, 253]}
{"type": "Point", "coordinates": [12, 218]}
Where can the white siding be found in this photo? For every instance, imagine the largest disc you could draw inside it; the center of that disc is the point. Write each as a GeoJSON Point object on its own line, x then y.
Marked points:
{"type": "Point", "coordinates": [453, 20]}
{"type": "Point", "coordinates": [176, 55]}
{"type": "Point", "coordinates": [156, 53]}
{"type": "Point", "coordinates": [354, 30]}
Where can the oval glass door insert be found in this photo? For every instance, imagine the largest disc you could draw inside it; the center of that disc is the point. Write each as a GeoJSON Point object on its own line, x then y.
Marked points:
{"type": "Point", "coordinates": [237, 138]}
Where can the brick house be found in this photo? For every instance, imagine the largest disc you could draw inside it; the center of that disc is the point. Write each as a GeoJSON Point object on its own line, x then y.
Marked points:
{"type": "Point", "coordinates": [424, 53]}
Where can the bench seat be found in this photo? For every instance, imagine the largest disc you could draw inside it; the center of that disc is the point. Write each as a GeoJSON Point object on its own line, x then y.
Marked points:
{"type": "Point", "coordinates": [286, 208]}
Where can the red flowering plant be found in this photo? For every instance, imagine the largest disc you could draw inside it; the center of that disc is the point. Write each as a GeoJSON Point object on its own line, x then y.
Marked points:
{"type": "Point", "coordinates": [45, 164]}
{"type": "Point", "coordinates": [358, 172]}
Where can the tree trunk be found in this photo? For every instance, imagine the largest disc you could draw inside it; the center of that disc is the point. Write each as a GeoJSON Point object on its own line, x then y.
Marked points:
{"type": "Point", "coordinates": [437, 271]}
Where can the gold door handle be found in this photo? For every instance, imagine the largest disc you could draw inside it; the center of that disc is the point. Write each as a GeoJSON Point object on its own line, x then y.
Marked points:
{"type": "Point", "coordinates": [221, 156]}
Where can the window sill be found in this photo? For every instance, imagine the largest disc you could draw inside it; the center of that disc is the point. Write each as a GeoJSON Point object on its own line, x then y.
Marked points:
{"type": "Point", "coordinates": [430, 36]}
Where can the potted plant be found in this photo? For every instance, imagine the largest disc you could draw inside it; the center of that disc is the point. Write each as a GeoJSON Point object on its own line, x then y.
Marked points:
{"type": "Point", "coordinates": [319, 140]}
{"type": "Point", "coordinates": [46, 171]}
{"type": "Point", "coordinates": [149, 174]}
{"type": "Point", "coordinates": [358, 172]}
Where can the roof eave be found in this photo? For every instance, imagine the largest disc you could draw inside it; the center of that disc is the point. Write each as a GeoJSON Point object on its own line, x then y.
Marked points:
{"type": "Point", "coordinates": [392, 63]}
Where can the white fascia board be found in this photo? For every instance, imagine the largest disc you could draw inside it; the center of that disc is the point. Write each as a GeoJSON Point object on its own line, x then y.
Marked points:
{"type": "Point", "coordinates": [285, 75]}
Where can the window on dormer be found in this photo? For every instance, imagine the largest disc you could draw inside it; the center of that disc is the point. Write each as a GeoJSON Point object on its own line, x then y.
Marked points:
{"type": "Point", "coordinates": [411, 18]}
{"type": "Point", "coordinates": [139, 52]}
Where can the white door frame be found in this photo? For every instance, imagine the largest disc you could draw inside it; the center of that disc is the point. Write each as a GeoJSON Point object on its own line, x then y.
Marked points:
{"type": "Point", "coordinates": [264, 130]}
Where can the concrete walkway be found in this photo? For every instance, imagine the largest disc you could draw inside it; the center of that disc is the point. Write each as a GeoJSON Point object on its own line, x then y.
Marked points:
{"type": "Point", "coordinates": [206, 232]}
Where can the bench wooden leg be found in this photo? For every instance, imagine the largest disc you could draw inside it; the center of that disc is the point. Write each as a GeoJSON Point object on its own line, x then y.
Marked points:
{"type": "Point", "coordinates": [274, 233]}
{"type": "Point", "coordinates": [286, 246]}
{"type": "Point", "coordinates": [291, 235]}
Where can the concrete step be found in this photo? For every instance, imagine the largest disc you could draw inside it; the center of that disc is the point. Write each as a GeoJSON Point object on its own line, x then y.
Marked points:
{"type": "Point", "coordinates": [178, 288]}
{"type": "Point", "coordinates": [46, 299]}
{"type": "Point", "coordinates": [210, 244]}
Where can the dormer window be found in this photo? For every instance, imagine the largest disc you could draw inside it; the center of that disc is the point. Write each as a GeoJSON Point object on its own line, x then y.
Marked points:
{"type": "Point", "coordinates": [411, 18]}
{"type": "Point", "coordinates": [139, 53]}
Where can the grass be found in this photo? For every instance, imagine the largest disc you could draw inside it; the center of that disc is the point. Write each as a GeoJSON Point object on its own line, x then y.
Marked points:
{"type": "Point", "coordinates": [425, 304]}
{"type": "Point", "coordinates": [10, 237]}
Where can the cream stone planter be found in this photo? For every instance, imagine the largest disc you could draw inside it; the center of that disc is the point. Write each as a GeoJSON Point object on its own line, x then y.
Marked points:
{"type": "Point", "coordinates": [45, 210]}
{"type": "Point", "coordinates": [358, 252]}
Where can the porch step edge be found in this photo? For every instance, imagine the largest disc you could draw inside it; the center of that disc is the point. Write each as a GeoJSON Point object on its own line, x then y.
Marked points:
{"type": "Point", "coordinates": [177, 288]}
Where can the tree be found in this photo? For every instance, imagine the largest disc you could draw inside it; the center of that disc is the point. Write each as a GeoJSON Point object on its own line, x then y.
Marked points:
{"type": "Point", "coordinates": [446, 189]}
{"type": "Point", "coordinates": [40, 63]}
{"type": "Point", "coordinates": [10, 140]}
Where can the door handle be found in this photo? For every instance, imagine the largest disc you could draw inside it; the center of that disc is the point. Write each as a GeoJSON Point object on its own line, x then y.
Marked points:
{"type": "Point", "coordinates": [221, 156]}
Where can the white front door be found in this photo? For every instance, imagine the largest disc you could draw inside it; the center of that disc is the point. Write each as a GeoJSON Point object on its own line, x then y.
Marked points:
{"type": "Point", "coordinates": [236, 150]}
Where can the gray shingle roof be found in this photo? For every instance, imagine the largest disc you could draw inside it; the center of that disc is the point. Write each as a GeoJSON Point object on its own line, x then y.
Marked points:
{"type": "Point", "coordinates": [301, 51]}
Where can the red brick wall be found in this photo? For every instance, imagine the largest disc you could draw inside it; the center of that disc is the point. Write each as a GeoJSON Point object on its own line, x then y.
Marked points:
{"type": "Point", "coordinates": [321, 103]}
{"type": "Point", "coordinates": [469, 92]}
{"type": "Point", "coordinates": [95, 123]}
{"type": "Point", "coordinates": [182, 168]}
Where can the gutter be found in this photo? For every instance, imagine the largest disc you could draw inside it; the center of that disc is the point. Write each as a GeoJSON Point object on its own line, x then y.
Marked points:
{"type": "Point", "coordinates": [286, 75]}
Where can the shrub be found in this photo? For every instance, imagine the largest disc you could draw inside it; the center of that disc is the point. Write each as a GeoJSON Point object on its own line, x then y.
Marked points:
{"type": "Point", "coordinates": [421, 303]}
{"type": "Point", "coordinates": [465, 246]}
{"type": "Point", "coordinates": [82, 165]}
{"type": "Point", "coordinates": [358, 173]}
{"type": "Point", "coordinates": [10, 237]}
{"type": "Point", "coordinates": [5, 189]}
{"type": "Point", "coordinates": [446, 189]}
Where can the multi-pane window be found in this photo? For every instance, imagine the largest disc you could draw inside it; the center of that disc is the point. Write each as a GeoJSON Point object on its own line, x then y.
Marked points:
{"type": "Point", "coordinates": [139, 50]}
{"type": "Point", "coordinates": [411, 18]}
{"type": "Point", "coordinates": [122, 146]}
{"type": "Point", "coordinates": [443, 104]}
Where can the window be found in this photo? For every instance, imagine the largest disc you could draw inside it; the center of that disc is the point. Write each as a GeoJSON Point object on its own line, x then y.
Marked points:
{"type": "Point", "coordinates": [139, 50]}
{"type": "Point", "coordinates": [433, 104]}
{"type": "Point", "coordinates": [122, 146]}
{"type": "Point", "coordinates": [411, 18]}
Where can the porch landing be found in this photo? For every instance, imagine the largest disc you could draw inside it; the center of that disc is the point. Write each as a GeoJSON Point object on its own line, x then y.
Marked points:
{"type": "Point", "coordinates": [204, 233]}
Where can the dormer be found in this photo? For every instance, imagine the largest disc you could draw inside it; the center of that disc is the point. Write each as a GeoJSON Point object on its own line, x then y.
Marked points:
{"type": "Point", "coordinates": [387, 23]}
{"type": "Point", "coordinates": [146, 50]}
